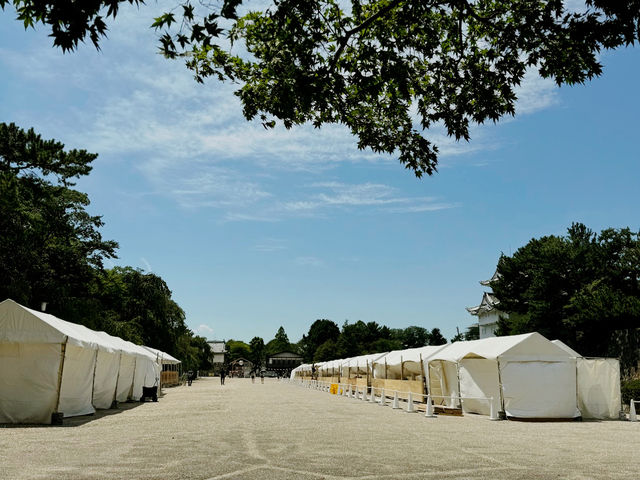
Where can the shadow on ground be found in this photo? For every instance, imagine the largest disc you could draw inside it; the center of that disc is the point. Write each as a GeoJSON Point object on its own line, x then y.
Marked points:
{"type": "Point", "coordinates": [80, 420]}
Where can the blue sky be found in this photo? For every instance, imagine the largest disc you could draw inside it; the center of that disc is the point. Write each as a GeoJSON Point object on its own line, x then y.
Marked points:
{"type": "Point", "coordinates": [254, 229]}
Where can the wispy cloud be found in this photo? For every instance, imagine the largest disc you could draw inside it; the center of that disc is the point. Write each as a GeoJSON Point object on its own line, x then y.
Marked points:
{"type": "Point", "coordinates": [147, 265]}
{"type": "Point", "coordinates": [270, 245]}
{"type": "Point", "coordinates": [203, 329]}
{"type": "Point", "coordinates": [192, 145]}
{"type": "Point", "coordinates": [535, 93]}
{"type": "Point", "coordinates": [377, 196]}
{"type": "Point", "coordinates": [309, 262]}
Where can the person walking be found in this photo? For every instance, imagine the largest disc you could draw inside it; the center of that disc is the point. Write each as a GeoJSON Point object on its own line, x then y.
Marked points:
{"type": "Point", "coordinates": [222, 375]}
{"type": "Point", "coordinates": [253, 376]}
{"type": "Point", "coordinates": [262, 376]}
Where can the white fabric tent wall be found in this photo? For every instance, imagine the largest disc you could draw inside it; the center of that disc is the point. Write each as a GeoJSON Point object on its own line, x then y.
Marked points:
{"type": "Point", "coordinates": [49, 365]}
{"type": "Point", "coordinates": [77, 381]}
{"type": "Point", "coordinates": [408, 362]}
{"type": "Point", "coordinates": [105, 379]}
{"type": "Point", "coordinates": [360, 365]}
{"type": "Point", "coordinates": [28, 381]}
{"type": "Point", "coordinates": [125, 377]}
{"type": "Point", "coordinates": [599, 393]}
{"type": "Point", "coordinates": [35, 332]}
{"type": "Point", "coordinates": [479, 378]}
{"type": "Point", "coordinates": [529, 376]}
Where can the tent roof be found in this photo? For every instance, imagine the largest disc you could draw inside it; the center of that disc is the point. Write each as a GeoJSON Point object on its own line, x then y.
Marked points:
{"type": "Point", "coordinates": [332, 364]}
{"type": "Point", "coordinates": [362, 360]}
{"type": "Point", "coordinates": [20, 324]}
{"type": "Point", "coordinates": [528, 345]}
{"type": "Point", "coordinates": [566, 348]}
{"type": "Point", "coordinates": [23, 325]}
{"type": "Point", "coordinates": [165, 358]}
{"type": "Point", "coordinates": [409, 355]}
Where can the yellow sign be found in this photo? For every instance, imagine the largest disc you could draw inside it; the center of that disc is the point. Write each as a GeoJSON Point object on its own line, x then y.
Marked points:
{"type": "Point", "coordinates": [334, 389]}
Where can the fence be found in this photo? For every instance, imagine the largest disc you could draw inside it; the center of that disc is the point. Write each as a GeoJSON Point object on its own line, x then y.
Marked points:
{"type": "Point", "coordinates": [413, 401]}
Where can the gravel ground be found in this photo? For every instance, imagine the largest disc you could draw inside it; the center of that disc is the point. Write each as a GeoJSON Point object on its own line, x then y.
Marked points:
{"type": "Point", "coordinates": [279, 431]}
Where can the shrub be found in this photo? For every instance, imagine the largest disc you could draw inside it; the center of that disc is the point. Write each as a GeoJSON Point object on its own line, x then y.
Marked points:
{"type": "Point", "coordinates": [630, 389]}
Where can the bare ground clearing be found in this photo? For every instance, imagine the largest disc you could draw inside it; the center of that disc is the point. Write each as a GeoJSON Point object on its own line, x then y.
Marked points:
{"type": "Point", "coordinates": [282, 431]}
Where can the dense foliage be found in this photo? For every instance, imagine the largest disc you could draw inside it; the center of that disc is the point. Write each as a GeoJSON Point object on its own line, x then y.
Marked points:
{"type": "Point", "coordinates": [389, 70]}
{"type": "Point", "coordinates": [51, 251]}
{"type": "Point", "coordinates": [630, 391]}
{"type": "Point", "coordinates": [325, 341]}
{"type": "Point", "coordinates": [580, 288]}
{"type": "Point", "coordinates": [50, 246]}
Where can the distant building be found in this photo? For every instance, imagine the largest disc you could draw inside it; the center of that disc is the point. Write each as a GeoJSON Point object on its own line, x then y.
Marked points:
{"type": "Point", "coordinates": [283, 362]}
{"type": "Point", "coordinates": [240, 368]}
{"type": "Point", "coordinates": [219, 350]}
{"type": "Point", "coordinates": [487, 312]}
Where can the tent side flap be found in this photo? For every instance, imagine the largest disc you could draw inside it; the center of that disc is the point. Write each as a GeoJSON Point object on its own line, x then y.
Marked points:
{"type": "Point", "coordinates": [539, 389]}
{"type": "Point", "coordinates": [28, 382]}
{"type": "Point", "coordinates": [599, 388]}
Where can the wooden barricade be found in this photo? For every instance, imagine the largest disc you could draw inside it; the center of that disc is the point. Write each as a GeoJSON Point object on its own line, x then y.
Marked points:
{"type": "Point", "coordinates": [416, 387]}
{"type": "Point", "coordinates": [169, 378]}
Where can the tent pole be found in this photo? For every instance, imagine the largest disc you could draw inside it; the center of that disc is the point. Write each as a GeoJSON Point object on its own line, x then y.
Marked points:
{"type": "Point", "coordinates": [459, 391]}
{"type": "Point", "coordinates": [133, 379]}
{"type": "Point", "coordinates": [386, 374]}
{"type": "Point", "coordinates": [93, 383]}
{"type": "Point", "coordinates": [500, 390]}
{"type": "Point", "coordinates": [63, 352]}
{"type": "Point", "coordinates": [424, 378]}
{"type": "Point", "coordinates": [114, 403]}
{"type": "Point", "coordinates": [401, 368]}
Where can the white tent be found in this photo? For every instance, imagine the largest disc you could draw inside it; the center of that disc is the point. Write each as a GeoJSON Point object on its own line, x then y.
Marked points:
{"type": "Point", "coordinates": [330, 368]}
{"type": "Point", "coordinates": [566, 348]}
{"type": "Point", "coordinates": [599, 393]}
{"type": "Point", "coordinates": [360, 365]}
{"type": "Point", "coordinates": [48, 365]}
{"type": "Point", "coordinates": [527, 375]}
{"type": "Point", "coordinates": [402, 363]}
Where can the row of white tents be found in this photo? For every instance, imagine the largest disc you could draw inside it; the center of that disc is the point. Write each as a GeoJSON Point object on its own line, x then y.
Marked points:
{"type": "Point", "coordinates": [527, 375]}
{"type": "Point", "coordinates": [49, 367]}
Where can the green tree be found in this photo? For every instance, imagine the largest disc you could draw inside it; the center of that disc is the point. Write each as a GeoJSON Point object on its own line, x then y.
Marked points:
{"type": "Point", "coordinates": [50, 247]}
{"type": "Point", "coordinates": [436, 337]}
{"type": "Point", "coordinates": [579, 288]}
{"type": "Point", "coordinates": [472, 333]}
{"type": "Point", "coordinates": [413, 337]}
{"type": "Point", "coordinates": [280, 343]}
{"type": "Point", "coordinates": [372, 65]}
{"type": "Point", "coordinates": [138, 307]}
{"type": "Point", "coordinates": [237, 349]}
{"type": "Point", "coordinates": [281, 337]}
{"type": "Point", "coordinates": [320, 331]}
{"type": "Point", "coordinates": [326, 351]}
{"type": "Point", "coordinates": [257, 352]}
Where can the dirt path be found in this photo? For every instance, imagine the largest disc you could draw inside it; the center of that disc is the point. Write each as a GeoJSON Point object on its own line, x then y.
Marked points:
{"type": "Point", "coordinates": [281, 431]}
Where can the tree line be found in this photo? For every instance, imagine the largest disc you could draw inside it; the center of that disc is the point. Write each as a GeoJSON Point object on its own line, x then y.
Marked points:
{"type": "Point", "coordinates": [326, 341]}
{"type": "Point", "coordinates": [582, 288]}
{"type": "Point", "coordinates": [51, 251]}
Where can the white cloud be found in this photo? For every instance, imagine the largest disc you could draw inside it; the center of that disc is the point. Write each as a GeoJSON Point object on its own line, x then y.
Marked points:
{"type": "Point", "coordinates": [309, 262]}
{"type": "Point", "coordinates": [535, 93]}
{"type": "Point", "coordinates": [269, 245]}
{"type": "Point", "coordinates": [378, 196]}
{"type": "Point", "coordinates": [191, 143]}
{"type": "Point", "coordinates": [203, 329]}
{"type": "Point", "coordinates": [147, 265]}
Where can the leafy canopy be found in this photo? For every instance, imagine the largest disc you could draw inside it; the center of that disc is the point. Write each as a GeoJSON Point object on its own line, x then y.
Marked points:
{"type": "Point", "coordinates": [50, 246]}
{"type": "Point", "coordinates": [579, 288]}
{"type": "Point", "coordinates": [389, 70]}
